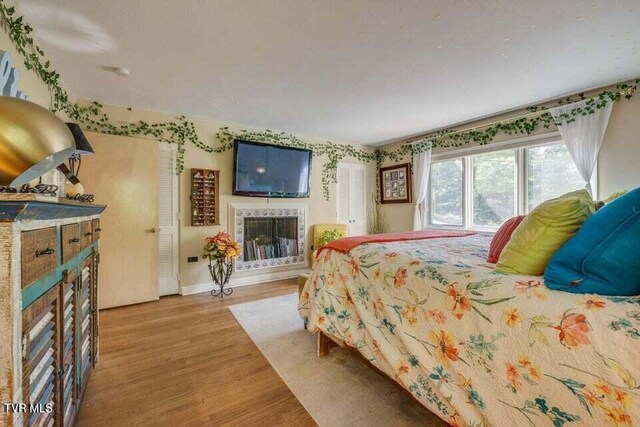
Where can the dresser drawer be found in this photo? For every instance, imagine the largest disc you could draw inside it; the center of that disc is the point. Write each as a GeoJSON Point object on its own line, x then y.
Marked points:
{"type": "Point", "coordinates": [95, 225]}
{"type": "Point", "coordinates": [39, 254]}
{"type": "Point", "coordinates": [70, 241]}
{"type": "Point", "coordinates": [86, 234]}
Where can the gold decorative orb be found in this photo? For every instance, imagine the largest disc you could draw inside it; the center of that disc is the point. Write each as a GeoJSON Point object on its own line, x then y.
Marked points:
{"type": "Point", "coordinates": [71, 190]}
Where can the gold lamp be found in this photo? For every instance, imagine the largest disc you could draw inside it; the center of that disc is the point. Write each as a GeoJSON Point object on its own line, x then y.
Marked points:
{"type": "Point", "coordinates": [33, 141]}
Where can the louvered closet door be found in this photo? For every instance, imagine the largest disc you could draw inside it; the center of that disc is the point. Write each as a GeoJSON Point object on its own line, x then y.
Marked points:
{"type": "Point", "coordinates": [41, 329]}
{"type": "Point", "coordinates": [168, 216]}
{"type": "Point", "coordinates": [358, 200]}
{"type": "Point", "coordinates": [344, 190]}
{"type": "Point", "coordinates": [67, 384]}
{"type": "Point", "coordinates": [352, 198]}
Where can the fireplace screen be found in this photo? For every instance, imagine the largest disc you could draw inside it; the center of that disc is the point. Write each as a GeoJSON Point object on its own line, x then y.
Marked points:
{"type": "Point", "coordinates": [267, 238]}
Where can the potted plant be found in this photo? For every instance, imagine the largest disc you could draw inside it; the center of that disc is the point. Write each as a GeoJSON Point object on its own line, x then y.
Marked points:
{"type": "Point", "coordinates": [327, 237]}
{"type": "Point", "coordinates": [221, 250]}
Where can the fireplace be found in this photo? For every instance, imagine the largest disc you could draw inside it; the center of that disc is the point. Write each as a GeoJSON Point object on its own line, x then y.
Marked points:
{"type": "Point", "coordinates": [270, 237]}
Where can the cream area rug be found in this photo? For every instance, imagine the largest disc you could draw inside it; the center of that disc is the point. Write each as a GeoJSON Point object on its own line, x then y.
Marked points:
{"type": "Point", "coordinates": [336, 390]}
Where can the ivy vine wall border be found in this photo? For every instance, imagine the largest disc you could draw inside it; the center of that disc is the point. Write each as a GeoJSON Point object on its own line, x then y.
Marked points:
{"type": "Point", "coordinates": [182, 131]}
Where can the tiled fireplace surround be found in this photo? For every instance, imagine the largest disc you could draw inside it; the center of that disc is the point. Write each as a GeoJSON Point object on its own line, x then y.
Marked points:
{"type": "Point", "coordinates": [283, 220]}
{"type": "Point", "coordinates": [279, 231]}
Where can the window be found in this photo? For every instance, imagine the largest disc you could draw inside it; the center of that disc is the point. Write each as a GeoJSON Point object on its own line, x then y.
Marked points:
{"type": "Point", "coordinates": [550, 173]}
{"type": "Point", "coordinates": [446, 193]}
{"type": "Point", "coordinates": [484, 189]}
{"type": "Point", "coordinates": [494, 188]}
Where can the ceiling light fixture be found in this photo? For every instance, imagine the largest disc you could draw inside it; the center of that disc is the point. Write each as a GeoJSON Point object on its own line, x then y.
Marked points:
{"type": "Point", "coordinates": [122, 72]}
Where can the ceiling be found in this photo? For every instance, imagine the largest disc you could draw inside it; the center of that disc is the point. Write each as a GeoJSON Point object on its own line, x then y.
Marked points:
{"type": "Point", "coordinates": [363, 71]}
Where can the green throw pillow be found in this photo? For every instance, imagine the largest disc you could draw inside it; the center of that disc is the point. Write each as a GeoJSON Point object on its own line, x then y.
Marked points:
{"type": "Point", "coordinates": [614, 196]}
{"type": "Point", "coordinates": [543, 231]}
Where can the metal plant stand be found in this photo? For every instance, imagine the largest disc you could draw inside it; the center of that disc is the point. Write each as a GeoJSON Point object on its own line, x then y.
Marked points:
{"type": "Point", "coordinates": [221, 270]}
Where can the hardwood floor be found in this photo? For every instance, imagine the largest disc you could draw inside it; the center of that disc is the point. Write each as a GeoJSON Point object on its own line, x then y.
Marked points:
{"type": "Point", "coordinates": [186, 361]}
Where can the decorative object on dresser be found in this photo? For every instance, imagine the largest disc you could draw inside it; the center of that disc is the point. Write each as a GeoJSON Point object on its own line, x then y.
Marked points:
{"type": "Point", "coordinates": [48, 310]}
{"type": "Point", "coordinates": [33, 141]}
{"type": "Point", "coordinates": [395, 184]}
{"type": "Point", "coordinates": [39, 188]}
{"type": "Point", "coordinates": [73, 188]}
{"type": "Point", "coordinates": [205, 197]}
{"type": "Point", "coordinates": [83, 148]}
{"type": "Point", "coordinates": [221, 250]}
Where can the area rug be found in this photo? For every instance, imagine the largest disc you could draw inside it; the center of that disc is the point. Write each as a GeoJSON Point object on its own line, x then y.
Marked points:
{"type": "Point", "coordinates": [336, 390]}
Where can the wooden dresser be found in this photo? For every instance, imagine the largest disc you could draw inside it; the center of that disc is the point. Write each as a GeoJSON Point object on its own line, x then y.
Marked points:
{"type": "Point", "coordinates": [49, 262]}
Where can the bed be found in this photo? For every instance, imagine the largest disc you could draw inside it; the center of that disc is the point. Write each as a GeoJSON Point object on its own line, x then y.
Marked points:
{"type": "Point", "coordinates": [476, 347]}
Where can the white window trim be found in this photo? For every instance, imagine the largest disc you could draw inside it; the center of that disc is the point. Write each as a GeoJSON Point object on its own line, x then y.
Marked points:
{"type": "Point", "coordinates": [524, 142]}
{"type": "Point", "coordinates": [466, 154]}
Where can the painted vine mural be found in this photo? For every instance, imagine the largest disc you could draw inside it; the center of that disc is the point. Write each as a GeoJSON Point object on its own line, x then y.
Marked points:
{"type": "Point", "coordinates": [181, 131]}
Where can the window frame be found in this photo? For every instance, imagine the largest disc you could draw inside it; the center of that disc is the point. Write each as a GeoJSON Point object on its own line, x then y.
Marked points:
{"type": "Point", "coordinates": [464, 201]}
{"type": "Point", "coordinates": [520, 146]}
{"type": "Point", "coordinates": [516, 202]}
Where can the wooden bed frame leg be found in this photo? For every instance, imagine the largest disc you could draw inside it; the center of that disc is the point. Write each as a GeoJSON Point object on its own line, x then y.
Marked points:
{"type": "Point", "coordinates": [324, 344]}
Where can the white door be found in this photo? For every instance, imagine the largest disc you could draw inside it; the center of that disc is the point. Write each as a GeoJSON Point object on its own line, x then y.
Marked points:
{"type": "Point", "coordinates": [168, 221]}
{"type": "Point", "coordinates": [352, 198]}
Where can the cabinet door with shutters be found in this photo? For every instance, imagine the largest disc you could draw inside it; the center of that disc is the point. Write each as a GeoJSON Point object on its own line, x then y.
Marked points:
{"type": "Point", "coordinates": [41, 367]}
{"type": "Point", "coordinates": [69, 392]}
{"type": "Point", "coordinates": [94, 307]}
{"type": "Point", "coordinates": [84, 324]}
{"type": "Point", "coordinates": [352, 198]}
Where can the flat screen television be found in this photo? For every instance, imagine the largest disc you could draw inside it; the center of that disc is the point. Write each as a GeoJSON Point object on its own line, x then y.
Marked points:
{"type": "Point", "coordinates": [265, 170]}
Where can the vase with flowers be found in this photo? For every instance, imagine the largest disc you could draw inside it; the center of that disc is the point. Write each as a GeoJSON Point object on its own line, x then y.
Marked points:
{"type": "Point", "coordinates": [221, 250]}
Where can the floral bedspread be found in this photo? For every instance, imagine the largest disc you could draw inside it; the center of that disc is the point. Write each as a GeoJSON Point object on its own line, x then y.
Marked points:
{"type": "Point", "coordinates": [477, 347]}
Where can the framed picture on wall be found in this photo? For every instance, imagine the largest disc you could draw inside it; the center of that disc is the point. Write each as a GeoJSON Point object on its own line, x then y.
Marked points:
{"type": "Point", "coordinates": [395, 184]}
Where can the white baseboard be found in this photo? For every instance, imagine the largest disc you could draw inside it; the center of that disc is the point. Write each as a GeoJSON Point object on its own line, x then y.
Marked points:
{"type": "Point", "coordinates": [245, 280]}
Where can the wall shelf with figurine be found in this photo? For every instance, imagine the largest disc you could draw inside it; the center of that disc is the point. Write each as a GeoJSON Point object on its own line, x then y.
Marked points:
{"type": "Point", "coordinates": [205, 197]}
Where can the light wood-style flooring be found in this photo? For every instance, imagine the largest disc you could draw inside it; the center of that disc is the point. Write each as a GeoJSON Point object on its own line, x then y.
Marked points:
{"type": "Point", "coordinates": [185, 361]}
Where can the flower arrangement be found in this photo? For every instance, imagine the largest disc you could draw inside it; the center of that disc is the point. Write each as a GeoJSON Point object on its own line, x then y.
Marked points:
{"type": "Point", "coordinates": [221, 246]}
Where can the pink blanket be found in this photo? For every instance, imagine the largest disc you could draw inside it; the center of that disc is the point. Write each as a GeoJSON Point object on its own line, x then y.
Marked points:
{"type": "Point", "coordinates": [346, 244]}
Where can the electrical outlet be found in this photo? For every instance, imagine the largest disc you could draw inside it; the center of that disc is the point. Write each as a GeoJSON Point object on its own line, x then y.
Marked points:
{"type": "Point", "coordinates": [192, 259]}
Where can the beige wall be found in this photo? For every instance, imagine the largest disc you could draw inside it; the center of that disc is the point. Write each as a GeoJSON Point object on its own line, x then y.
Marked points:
{"type": "Point", "coordinates": [192, 238]}
{"type": "Point", "coordinates": [619, 160]}
{"type": "Point", "coordinates": [29, 82]}
{"type": "Point", "coordinates": [618, 163]}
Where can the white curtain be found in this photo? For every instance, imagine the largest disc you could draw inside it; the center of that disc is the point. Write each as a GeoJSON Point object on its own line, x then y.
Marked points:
{"type": "Point", "coordinates": [583, 136]}
{"type": "Point", "coordinates": [421, 168]}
